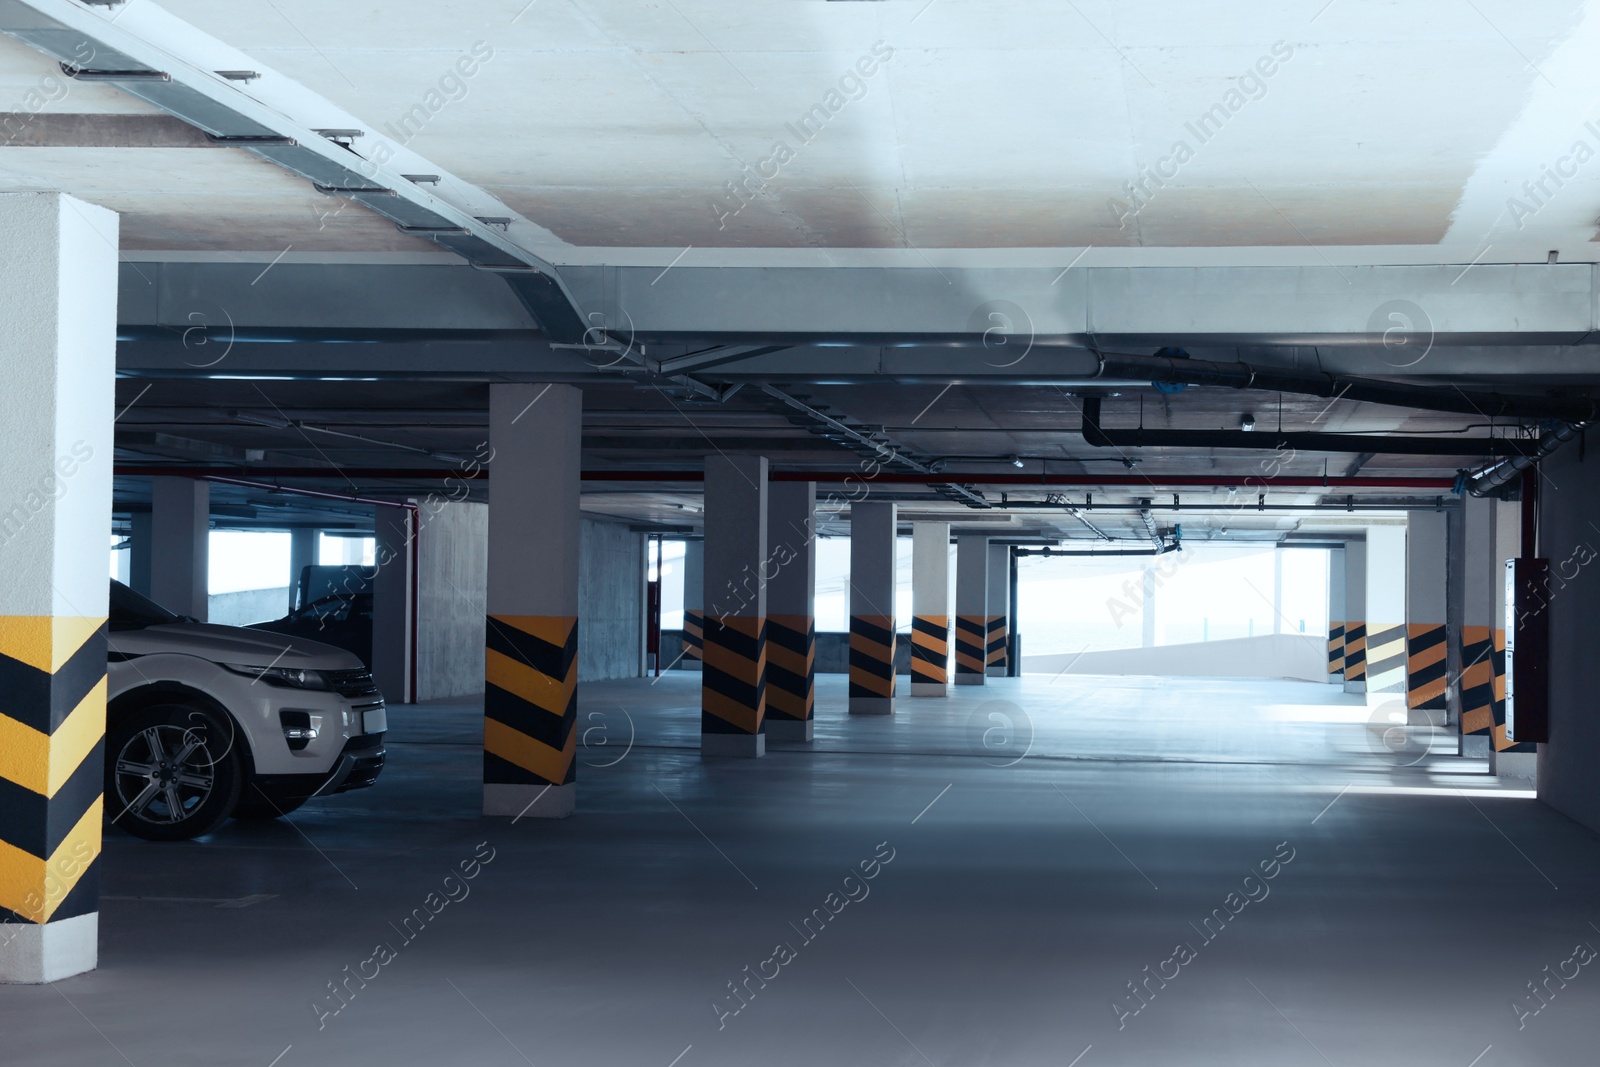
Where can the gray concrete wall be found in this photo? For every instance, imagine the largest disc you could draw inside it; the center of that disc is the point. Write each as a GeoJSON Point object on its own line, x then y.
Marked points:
{"type": "Point", "coordinates": [452, 580]}
{"type": "Point", "coordinates": [248, 606]}
{"type": "Point", "coordinates": [611, 576]}
{"type": "Point", "coordinates": [1567, 520]}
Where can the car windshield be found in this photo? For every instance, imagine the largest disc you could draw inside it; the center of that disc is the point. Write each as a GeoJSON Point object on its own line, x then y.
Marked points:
{"type": "Point", "coordinates": [131, 611]}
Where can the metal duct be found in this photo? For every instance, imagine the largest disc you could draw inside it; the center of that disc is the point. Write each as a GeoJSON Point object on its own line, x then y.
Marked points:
{"type": "Point", "coordinates": [1486, 403]}
{"type": "Point", "coordinates": [1491, 478]}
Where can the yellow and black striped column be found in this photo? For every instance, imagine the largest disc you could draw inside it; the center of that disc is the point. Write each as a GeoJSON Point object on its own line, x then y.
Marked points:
{"type": "Point", "coordinates": [1386, 658]}
{"type": "Point", "coordinates": [733, 687]}
{"type": "Point", "coordinates": [791, 604]}
{"type": "Point", "coordinates": [971, 650]}
{"type": "Point", "coordinates": [694, 633]}
{"type": "Point", "coordinates": [872, 642]}
{"type": "Point", "coordinates": [930, 609]}
{"type": "Point", "coordinates": [733, 681]}
{"type": "Point", "coordinates": [873, 527]}
{"type": "Point", "coordinates": [1481, 678]}
{"type": "Point", "coordinates": [972, 609]}
{"type": "Point", "coordinates": [995, 644]}
{"type": "Point", "coordinates": [52, 769]}
{"type": "Point", "coordinates": [530, 702]}
{"type": "Point", "coordinates": [1355, 651]}
{"type": "Point", "coordinates": [930, 655]}
{"type": "Point", "coordinates": [1336, 649]}
{"type": "Point", "coordinates": [791, 676]}
{"type": "Point", "coordinates": [58, 300]}
{"type": "Point", "coordinates": [1426, 667]}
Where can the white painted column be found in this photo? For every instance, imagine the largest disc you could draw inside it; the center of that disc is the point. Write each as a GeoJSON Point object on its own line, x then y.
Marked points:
{"type": "Point", "coordinates": [694, 591]}
{"type": "Point", "coordinates": [1507, 760]}
{"type": "Point", "coordinates": [58, 303]}
{"type": "Point", "coordinates": [1386, 609]}
{"type": "Point", "coordinates": [393, 603]}
{"type": "Point", "coordinates": [972, 608]}
{"type": "Point", "coordinates": [1277, 590]}
{"type": "Point", "coordinates": [1336, 614]}
{"type": "Point", "coordinates": [1355, 607]}
{"type": "Point", "coordinates": [1147, 607]}
{"type": "Point", "coordinates": [1427, 556]}
{"type": "Point", "coordinates": [530, 703]}
{"type": "Point", "coordinates": [302, 554]}
{"type": "Point", "coordinates": [930, 609]}
{"type": "Point", "coordinates": [733, 682]}
{"type": "Point", "coordinates": [872, 621]}
{"type": "Point", "coordinates": [998, 625]}
{"type": "Point", "coordinates": [180, 545]}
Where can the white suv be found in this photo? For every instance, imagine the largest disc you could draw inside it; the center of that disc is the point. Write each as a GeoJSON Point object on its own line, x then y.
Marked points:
{"type": "Point", "coordinates": [203, 721]}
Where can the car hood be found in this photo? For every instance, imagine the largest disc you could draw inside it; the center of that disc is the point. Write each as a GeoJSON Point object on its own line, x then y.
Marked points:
{"type": "Point", "coordinates": [232, 644]}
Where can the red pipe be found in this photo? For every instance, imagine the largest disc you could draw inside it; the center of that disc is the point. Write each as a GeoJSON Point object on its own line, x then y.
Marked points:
{"type": "Point", "coordinates": [1148, 481]}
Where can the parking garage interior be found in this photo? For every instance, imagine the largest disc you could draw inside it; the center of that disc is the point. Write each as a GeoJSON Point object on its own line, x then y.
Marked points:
{"type": "Point", "coordinates": [904, 532]}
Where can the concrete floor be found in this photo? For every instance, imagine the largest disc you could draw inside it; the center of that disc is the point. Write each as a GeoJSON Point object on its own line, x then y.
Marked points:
{"type": "Point", "coordinates": [1028, 885]}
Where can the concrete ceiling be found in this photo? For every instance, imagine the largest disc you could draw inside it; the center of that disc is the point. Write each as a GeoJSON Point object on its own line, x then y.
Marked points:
{"type": "Point", "coordinates": [620, 125]}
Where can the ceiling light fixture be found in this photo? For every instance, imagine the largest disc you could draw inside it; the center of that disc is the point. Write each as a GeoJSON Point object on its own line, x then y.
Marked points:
{"type": "Point", "coordinates": [1247, 423]}
{"type": "Point", "coordinates": [1016, 461]}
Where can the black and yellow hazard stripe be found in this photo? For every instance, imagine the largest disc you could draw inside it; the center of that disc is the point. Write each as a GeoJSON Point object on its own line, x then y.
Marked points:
{"type": "Point", "coordinates": [693, 632]}
{"type": "Point", "coordinates": [1497, 658]}
{"type": "Point", "coordinates": [971, 638]}
{"type": "Point", "coordinates": [1478, 677]}
{"type": "Point", "coordinates": [1386, 658]}
{"type": "Point", "coordinates": [791, 667]}
{"type": "Point", "coordinates": [995, 642]}
{"type": "Point", "coordinates": [930, 649]}
{"type": "Point", "coordinates": [52, 765]}
{"type": "Point", "coordinates": [1355, 651]}
{"type": "Point", "coordinates": [1336, 648]}
{"type": "Point", "coordinates": [733, 687]}
{"type": "Point", "coordinates": [530, 700]}
{"type": "Point", "coordinates": [1425, 665]}
{"type": "Point", "coordinates": [872, 639]}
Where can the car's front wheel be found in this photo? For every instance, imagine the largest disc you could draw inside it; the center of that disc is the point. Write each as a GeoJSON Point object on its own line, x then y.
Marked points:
{"type": "Point", "coordinates": [173, 771]}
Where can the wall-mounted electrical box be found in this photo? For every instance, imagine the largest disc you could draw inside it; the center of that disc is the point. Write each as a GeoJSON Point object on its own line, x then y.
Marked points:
{"type": "Point", "coordinates": [1527, 650]}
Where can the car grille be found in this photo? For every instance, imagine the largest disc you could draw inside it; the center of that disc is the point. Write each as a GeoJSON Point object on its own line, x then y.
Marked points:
{"type": "Point", "coordinates": [352, 683]}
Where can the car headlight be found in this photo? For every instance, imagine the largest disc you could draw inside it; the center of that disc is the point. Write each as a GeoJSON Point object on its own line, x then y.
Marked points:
{"type": "Point", "coordinates": [284, 677]}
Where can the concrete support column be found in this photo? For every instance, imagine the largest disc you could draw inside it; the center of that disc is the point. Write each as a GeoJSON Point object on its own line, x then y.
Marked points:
{"type": "Point", "coordinates": [1277, 590]}
{"type": "Point", "coordinates": [302, 554]}
{"type": "Point", "coordinates": [1355, 609]}
{"type": "Point", "coordinates": [694, 591]}
{"type": "Point", "coordinates": [530, 701]}
{"type": "Point", "coordinates": [1336, 615]}
{"type": "Point", "coordinates": [972, 608]}
{"type": "Point", "coordinates": [1147, 609]}
{"type": "Point", "coordinates": [930, 609]}
{"type": "Point", "coordinates": [733, 686]}
{"type": "Point", "coordinates": [1386, 609]}
{"type": "Point", "coordinates": [1491, 533]}
{"type": "Point", "coordinates": [393, 603]}
{"type": "Point", "coordinates": [791, 610]}
{"type": "Point", "coordinates": [872, 625]}
{"type": "Point", "coordinates": [139, 552]}
{"type": "Point", "coordinates": [1506, 759]}
{"type": "Point", "coordinates": [997, 626]}
{"type": "Point", "coordinates": [180, 545]}
{"type": "Point", "coordinates": [1568, 519]}
{"type": "Point", "coordinates": [1427, 670]}
{"type": "Point", "coordinates": [58, 300]}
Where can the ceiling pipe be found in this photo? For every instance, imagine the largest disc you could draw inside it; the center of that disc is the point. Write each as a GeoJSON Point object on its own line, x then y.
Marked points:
{"type": "Point", "coordinates": [1493, 478]}
{"type": "Point", "coordinates": [1487, 403]}
{"type": "Point", "coordinates": [689, 477]}
{"type": "Point", "coordinates": [1300, 441]}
